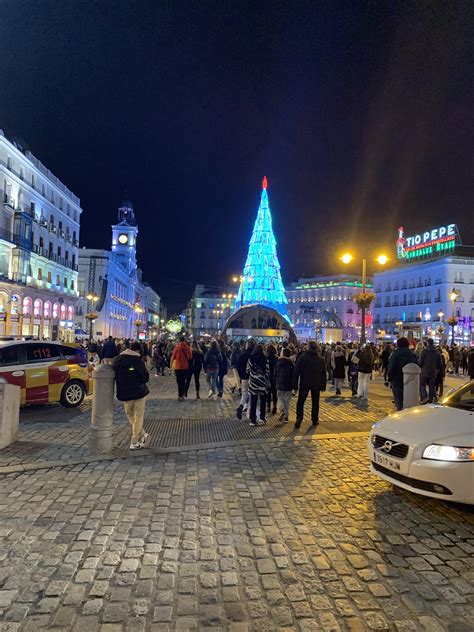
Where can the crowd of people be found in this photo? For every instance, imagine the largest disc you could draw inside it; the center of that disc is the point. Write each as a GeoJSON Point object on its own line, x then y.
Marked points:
{"type": "Point", "coordinates": [265, 377]}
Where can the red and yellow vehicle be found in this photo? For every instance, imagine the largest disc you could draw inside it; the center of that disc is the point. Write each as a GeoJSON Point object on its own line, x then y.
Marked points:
{"type": "Point", "coordinates": [47, 372]}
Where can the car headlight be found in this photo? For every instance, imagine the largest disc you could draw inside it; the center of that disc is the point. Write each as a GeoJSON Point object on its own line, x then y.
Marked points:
{"type": "Point", "coordinates": [448, 453]}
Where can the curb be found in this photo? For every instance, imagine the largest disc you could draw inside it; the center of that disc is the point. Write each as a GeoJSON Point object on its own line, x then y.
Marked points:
{"type": "Point", "coordinates": [126, 454]}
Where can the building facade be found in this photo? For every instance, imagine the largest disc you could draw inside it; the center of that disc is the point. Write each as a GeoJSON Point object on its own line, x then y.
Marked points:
{"type": "Point", "coordinates": [123, 305]}
{"type": "Point", "coordinates": [39, 240]}
{"type": "Point", "coordinates": [208, 310]}
{"type": "Point", "coordinates": [318, 305]}
{"type": "Point", "coordinates": [415, 299]}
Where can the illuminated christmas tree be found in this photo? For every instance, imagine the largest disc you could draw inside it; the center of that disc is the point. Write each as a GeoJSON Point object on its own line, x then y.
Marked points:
{"type": "Point", "coordinates": [261, 281]}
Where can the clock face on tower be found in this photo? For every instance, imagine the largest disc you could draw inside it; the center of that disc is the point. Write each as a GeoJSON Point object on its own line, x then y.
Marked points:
{"type": "Point", "coordinates": [123, 239]}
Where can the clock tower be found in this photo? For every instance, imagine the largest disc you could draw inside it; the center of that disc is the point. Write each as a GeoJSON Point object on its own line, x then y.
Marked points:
{"type": "Point", "coordinates": [124, 236]}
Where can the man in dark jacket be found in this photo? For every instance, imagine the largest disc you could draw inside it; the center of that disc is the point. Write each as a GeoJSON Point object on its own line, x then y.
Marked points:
{"type": "Point", "coordinates": [309, 376]}
{"type": "Point", "coordinates": [283, 374]}
{"type": "Point", "coordinates": [398, 359]}
{"type": "Point", "coordinates": [241, 367]}
{"type": "Point", "coordinates": [430, 363]}
{"type": "Point", "coordinates": [109, 351]}
{"type": "Point", "coordinates": [131, 376]}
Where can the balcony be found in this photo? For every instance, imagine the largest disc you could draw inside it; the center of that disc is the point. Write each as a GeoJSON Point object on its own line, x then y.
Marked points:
{"type": "Point", "coordinates": [9, 201]}
{"type": "Point", "coordinates": [43, 222]}
{"type": "Point", "coordinates": [403, 303]}
{"type": "Point", "coordinates": [53, 229]}
{"type": "Point", "coordinates": [75, 242]}
{"type": "Point", "coordinates": [438, 282]}
{"type": "Point", "coordinates": [411, 302]}
{"type": "Point", "coordinates": [61, 232]}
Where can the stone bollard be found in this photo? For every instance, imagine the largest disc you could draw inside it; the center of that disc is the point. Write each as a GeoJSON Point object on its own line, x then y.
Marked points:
{"type": "Point", "coordinates": [9, 414]}
{"type": "Point", "coordinates": [102, 422]}
{"type": "Point", "coordinates": [411, 385]}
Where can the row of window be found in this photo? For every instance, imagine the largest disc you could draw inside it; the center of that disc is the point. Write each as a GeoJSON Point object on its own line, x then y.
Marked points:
{"type": "Point", "coordinates": [47, 192]}
{"type": "Point", "coordinates": [37, 308]}
{"type": "Point", "coordinates": [67, 283]}
{"type": "Point", "coordinates": [420, 282]}
{"type": "Point", "coordinates": [320, 298]}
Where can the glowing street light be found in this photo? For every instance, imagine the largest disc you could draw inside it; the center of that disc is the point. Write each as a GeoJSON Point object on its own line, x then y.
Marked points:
{"type": "Point", "coordinates": [365, 299]}
{"type": "Point", "coordinates": [453, 320]}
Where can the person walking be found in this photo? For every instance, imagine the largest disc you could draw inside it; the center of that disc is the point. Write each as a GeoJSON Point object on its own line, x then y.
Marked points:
{"type": "Point", "coordinates": [284, 372]}
{"type": "Point", "coordinates": [338, 368]}
{"type": "Point", "coordinates": [440, 376]}
{"type": "Point", "coordinates": [353, 374]}
{"type": "Point", "coordinates": [131, 377]}
{"type": "Point", "coordinates": [259, 384]}
{"type": "Point", "coordinates": [364, 371]}
{"type": "Point", "coordinates": [211, 366]}
{"type": "Point", "coordinates": [430, 363]}
{"type": "Point", "coordinates": [159, 359]}
{"type": "Point", "coordinates": [234, 359]}
{"type": "Point", "coordinates": [109, 351]}
{"type": "Point", "coordinates": [272, 395]}
{"type": "Point", "coordinates": [195, 368]}
{"type": "Point", "coordinates": [398, 359]}
{"type": "Point", "coordinates": [180, 360]}
{"type": "Point", "coordinates": [309, 377]}
{"type": "Point", "coordinates": [470, 364]}
{"type": "Point", "coordinates": [384, 358]}
{"type": "Point", "coordinates": [223, 367]}
{"type": "Point", "coordinates": [242, 363]}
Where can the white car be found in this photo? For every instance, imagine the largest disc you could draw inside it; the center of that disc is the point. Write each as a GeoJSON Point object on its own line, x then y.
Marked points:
{"type": "Point", "coordinates": [429, 449]}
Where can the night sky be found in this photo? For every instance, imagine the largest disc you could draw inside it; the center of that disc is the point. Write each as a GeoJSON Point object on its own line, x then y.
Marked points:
{"type": "Point", "coordinates": [359, 113]}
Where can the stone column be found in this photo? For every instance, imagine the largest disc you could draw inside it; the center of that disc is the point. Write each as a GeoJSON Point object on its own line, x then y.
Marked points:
{"type": "Point", "coordinates": [9, 413]}
{"type": "Point", "coordinates": [411, 385]}
{"type": "Point", "coordinates": [101, 430]}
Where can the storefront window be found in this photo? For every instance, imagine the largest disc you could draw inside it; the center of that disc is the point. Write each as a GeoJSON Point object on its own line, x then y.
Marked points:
{"type": "Point", "coordinates": [47, 309]}
{"type": "Point", "coordinates": [37, 307]}
{"type": "Point", "coordinates": [27, 306]}
{"type": "Point", "coordinates": [63, 312]}
{"type": "Point", "coordinates": [70, 312]}
{"type": "Point", "coordinates": [55, 310]}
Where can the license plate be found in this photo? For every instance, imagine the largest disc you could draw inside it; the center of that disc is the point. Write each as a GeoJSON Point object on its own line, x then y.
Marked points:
{"type": "Point", "coordinates": [386, 461]}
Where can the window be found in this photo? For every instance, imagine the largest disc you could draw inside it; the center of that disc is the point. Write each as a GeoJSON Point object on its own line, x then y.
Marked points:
{"type": "Point", "coordinates": [32, 207]}
{"type": "Point", "coordinates": [41, 242]}
{"type": "Point", "coordinates": [72, 284]}
{"type": "Point", "coordinates": [65, 282]}
{"type": "Point", "coordinates": [33, 181]}
{"type": "Point", "coordinates": [55, 310]}
{"type": "Point", "coordinates": [66, 255]}
{"type": "Point", "coordinates": [41, 351]}
{"type": "Point", "coordinates": [58, 280]}
{"type": "Point", "coordinates": [9, 162]}
{"type": "Point", "coordinates": [70, 312]}
{"type": "Point", "coordinates": [59, 251]}
{"type": "Point", "coordinates": [60, 225]}
{"type": "Point", "coordinates": [27, 306]}
{"type": "Point", "coordinates": [37, 306]}
{"type": "Point", "coordinates": [61, 203]}
{"type": "Point", "coordinates": [50, 277]}
{"type": "Point", "coordinates": [63, 312]}
{"type": "Point", "coordinates": [9, 355]}
{"type": "Point", "coordinates": [40, 274]}
{"type": "Point", "coordinates": [47, 307]}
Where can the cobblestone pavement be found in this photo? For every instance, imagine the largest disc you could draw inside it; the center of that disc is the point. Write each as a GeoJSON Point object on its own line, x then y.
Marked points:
{"type": "Point", "coordinates": [51, 434]}
{"type": "Point", "coordinates": [247, 538]}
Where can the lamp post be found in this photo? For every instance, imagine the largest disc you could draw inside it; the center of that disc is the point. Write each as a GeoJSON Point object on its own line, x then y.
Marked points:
{"type": "Point", "coordinates": [138, 322]}
{"type": "Point", "coordinates": [364, 299]}
{"type": "Point", "coordinates": [453, 320]}
{"type": "Point", "coordinates": [240, 279]}
{"type": "Point", "coordinates": [399, 325]}
{"type": "Point", "coordinates": [91, 315]}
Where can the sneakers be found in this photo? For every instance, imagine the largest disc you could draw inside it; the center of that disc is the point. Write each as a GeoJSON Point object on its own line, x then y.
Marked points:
{"type": "Point", "coordinates": [136, 446]}
{"type": "Point", "coordinates": [298, 425]}
{"type": "Point", "coordinates": [281, 417]}
{"type": "Point", "coordinates": [239, 412]}
{"type": "Point", "coordinates": [144, 438]}
{"type": "Point", "coordinates": [258, 422]}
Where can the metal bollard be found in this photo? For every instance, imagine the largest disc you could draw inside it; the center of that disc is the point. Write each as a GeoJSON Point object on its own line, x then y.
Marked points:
{"type": "Point", "coordinates": [9, 414]}
{"type": "Point", "coordinates": [102, 422]}
{"type": "Point", "coordinates": [411, 385]}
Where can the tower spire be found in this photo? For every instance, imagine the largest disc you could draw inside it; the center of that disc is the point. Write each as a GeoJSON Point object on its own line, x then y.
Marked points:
{"type": "Point", "coordinates": [261, 282]}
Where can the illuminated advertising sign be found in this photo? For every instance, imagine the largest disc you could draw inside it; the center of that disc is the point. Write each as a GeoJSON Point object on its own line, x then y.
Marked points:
{"type": "Point", "coordinates": [437, 241]}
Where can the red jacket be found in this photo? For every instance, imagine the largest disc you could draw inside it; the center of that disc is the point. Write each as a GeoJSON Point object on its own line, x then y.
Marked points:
{"type": "Point", "coordinates": [182, 355]}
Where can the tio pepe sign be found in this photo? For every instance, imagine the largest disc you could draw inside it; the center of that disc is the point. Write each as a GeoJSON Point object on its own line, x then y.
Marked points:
{"type": "Point", "coordinates": [431, 242]}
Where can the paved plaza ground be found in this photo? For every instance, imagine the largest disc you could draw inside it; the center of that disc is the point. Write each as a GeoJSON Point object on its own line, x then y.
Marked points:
{"type": "Point", "coordinates": [218, 528]}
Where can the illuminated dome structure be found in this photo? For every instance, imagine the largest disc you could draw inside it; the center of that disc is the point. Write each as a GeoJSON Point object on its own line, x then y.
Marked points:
{"type": "Point", "coordinates": [260, 322]}
{"type": "Point", "coordinates": [261, 281]}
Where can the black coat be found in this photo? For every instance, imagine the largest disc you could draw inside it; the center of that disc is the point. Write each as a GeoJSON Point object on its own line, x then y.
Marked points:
{"type": "Point", "coordinates": [109, 350]}
{"type": "Point", "coordinates": [284, 371]}
{"type": "Point", "coordinates": [340, 365]}
{"type": "Point", "coordinates": [241, 367]}
{"type": "Point", "coordinates": [131, 376]}
{"type": "Point", "coordinates": [272, 361]}
{"type": "Point", "coordinates": [399, 358]}
{"type": "Point", "coordinates": [310, 371]}
{"type": "Point", "coordinates": [430, 362]}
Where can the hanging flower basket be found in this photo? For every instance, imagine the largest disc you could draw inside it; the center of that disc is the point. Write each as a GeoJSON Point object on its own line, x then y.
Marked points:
{"type": "Point", "coordinates": [440, 329]}
{"type": "Point", "coordinates": [452, 321]}
{"type": "Point", "coordinates": [138, 323]}
{"type": "Point", "coordinates": [91, 315]}
{"type": "Point", "coordinates": [364, 299]}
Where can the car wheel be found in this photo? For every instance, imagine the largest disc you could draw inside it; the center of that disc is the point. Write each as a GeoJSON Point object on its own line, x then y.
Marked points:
{"type": "Point", "coordinates": [73, 394]}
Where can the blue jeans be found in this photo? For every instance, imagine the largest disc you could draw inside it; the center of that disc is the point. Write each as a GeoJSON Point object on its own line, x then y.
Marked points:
{"type": "Point", "coordinates": [398, 396]}
{"type": "Point", "coordinates": [212, 381]}
{"type": "Point", "coordinates": [220, 384]}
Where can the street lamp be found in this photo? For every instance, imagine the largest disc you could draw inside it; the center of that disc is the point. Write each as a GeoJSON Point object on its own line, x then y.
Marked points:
{"type": "Point", "coordinates": [138, 322]}
{"type": "Point", "coordinates": [364, 299]}
{"type": "Point", "coordinates": [453, 320]}
{"type": "Point", "coordinates": [399, 325]}
{"type": "Point", "coordinates": [91, 315]}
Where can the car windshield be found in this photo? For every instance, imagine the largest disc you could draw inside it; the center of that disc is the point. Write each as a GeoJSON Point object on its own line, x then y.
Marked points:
{"type": "Point", "coordinates": [462, 397]}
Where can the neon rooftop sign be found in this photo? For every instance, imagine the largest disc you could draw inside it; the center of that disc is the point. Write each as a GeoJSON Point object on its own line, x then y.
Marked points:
{"type": "Point", "coordinates": [428, 244]}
